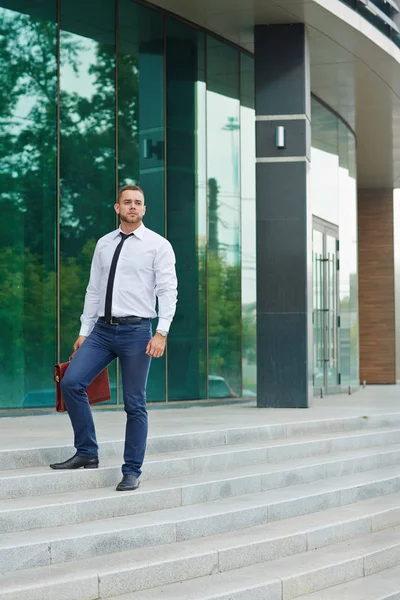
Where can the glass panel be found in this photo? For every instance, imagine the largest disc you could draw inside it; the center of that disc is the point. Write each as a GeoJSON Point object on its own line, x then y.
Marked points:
{"type": "Point", "coordinates": [331, 312]}
{"type": "Point", "coordinates": [375, 20]}
{"type": "Point", "coordinates": [28, 205]}
{"type": "Point", "coordinates": [324, 164]}
{"type": "Point", "coordinates": [87, 151]}
{"type": "Point", "coordinates": [248, 201]}
{"type": "Point", "coordinates": [353, 261]}
{"type": "Point", "coordinates": [318, 305]}
{"type": "Point", "coordinates": [187, 208]}
{"type": "Point", "coordinates": [334, 198]}
{"type": "Point", "coordinates": [385, 7]}
{"type": "Point", "coordinates": [223, 172]}
{"type": "Point", "coordinates": [141, 126]}
{"type": "Point", "coordinates": [348, 260]}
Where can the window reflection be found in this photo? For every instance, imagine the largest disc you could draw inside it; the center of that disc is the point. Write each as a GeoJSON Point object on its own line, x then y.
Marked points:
{"type": "Point", "coordinates": [348, 261]}
{"type": "Point", "coordinates": [141, 126]}
{"type": "Point", "coordinates": [223, 171]}
{"type": "Point", "coordinates": [28, 206]}
{"type": "Point", "coordinates": [248, 225]}
{"type": "Point", "coordinates": [334, 199]}
{"type": "Point", "coordinates": [115, 109]}
{"type": "Point", "coordinates": [87, 151]}
{"type": "Point", "coordinates": [325, 164]}
{"type": "Point", "coordinates": [187, 209]}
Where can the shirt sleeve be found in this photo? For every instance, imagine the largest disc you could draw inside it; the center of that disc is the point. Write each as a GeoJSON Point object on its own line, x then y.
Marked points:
{"type": "Point", "coordinates": [166, 285]}
{"type": "Point", "coordinates": [92, 298]}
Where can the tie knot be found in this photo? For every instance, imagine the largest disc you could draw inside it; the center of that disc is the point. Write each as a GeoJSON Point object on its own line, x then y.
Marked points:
{"type": "Point", "coordinates": [125, 236]}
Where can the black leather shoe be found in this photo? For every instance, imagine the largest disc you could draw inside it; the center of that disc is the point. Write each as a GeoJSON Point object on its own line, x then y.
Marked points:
{"type": "Point", "coordinates": [128, 483]}
{"type": "Point", "coordinates": [77, 462]}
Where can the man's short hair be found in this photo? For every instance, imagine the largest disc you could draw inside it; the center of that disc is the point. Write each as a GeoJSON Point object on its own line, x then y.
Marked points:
{"type": "Point", "coordinates": [134, 188]}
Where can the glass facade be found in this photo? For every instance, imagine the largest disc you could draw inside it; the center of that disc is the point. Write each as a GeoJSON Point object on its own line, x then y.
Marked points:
{"type": "Point", "coordinates": [28, 190]}
{"type": "Point", "coordinates": [383, 14]}
{"type": "Point", "coordinates": [95, 98]}
{"type": "Point", "coordinates": [87, 151]}
{"type": "Point", "coordinates": [187, 220]}
{"type": "Point", "coordinates": [223, 181]}
{"type": "Point", "coordinates": [335, 272]}
{"type": "Point", "coordinates": [248, 206]}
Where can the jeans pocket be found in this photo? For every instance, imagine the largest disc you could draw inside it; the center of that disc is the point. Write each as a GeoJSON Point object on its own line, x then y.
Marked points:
{"type": "Point", "coordinates": [142, 327]}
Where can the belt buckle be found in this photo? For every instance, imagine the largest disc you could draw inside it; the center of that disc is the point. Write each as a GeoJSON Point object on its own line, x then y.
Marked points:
{"type": "Point", "coordinates": [111, 322]}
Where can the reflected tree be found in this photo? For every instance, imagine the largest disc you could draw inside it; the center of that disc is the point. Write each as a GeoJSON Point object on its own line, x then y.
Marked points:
{"type": "Point", "coordinates": [28, 110]}
{"type": "Point", "coordinates": [27, 203]}
{"type": "Point", "coordinates": [28, 200]}
{"type": "Point", "coordinates": [224, 303]}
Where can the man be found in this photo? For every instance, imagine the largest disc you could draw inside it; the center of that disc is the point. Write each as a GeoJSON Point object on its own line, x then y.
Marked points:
{"type": "Point", "coordinates": [130, 268]}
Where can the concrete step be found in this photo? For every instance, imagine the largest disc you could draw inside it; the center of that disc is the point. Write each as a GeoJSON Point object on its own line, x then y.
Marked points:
{"type": "Point", "coordinates": [207, 497]}
{"type": "Point", "coordinates": [19, 514]}
{"type": "Point", "coordinates": [195, 570]}
{"type": "Point", "coordinates": [43, 455]}
{"type": "Point", "coordinates": [242, 546]}
{"type": "Point", "coordinates": [31, 481]}
{"type": "Point", "coordinates": [288, 578]}
{"type": "Point", "coordinates": [384, 585]}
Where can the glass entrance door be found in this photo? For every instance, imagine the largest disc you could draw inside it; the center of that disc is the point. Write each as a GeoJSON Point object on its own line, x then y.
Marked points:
{"type": "Point", "coordinates": [326, 375]}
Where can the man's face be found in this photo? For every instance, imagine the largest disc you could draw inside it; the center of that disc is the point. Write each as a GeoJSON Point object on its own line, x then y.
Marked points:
{"type": "Point", "coordinates": [131, 208]}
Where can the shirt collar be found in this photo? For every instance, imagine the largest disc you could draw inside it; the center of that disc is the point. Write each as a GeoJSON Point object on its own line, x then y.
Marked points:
{"type": "Point", "coordinates": [139, 232]}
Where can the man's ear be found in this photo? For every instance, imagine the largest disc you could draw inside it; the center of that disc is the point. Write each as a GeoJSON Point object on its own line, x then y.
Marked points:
{"type": "Point", "coordinates": [116, 207]}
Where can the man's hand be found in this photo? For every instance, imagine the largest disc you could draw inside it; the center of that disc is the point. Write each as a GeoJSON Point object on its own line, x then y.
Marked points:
{"type": "Point", "coordinates": [79, 342]}
{"type": "Point", "coordinates": [156, 346]}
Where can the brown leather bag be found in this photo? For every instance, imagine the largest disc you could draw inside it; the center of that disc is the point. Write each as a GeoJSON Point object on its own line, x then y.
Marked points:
{"type": "Point", "coordinates": [98, 390]}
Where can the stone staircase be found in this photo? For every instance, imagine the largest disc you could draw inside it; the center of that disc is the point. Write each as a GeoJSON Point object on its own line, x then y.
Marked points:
{"type": "Point", "coordinates": [306, 510]}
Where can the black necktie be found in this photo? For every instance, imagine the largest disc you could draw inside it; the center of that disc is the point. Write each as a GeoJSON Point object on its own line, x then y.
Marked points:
{"type": "Point", "coordinates": [111, 276]}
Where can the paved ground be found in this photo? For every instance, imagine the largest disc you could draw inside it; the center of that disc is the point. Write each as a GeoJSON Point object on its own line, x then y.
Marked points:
{"type": "Point", "coordinates": [54, 429]}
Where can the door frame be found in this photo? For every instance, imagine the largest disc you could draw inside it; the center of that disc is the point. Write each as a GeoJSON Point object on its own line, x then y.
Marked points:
{"type": "Point", "coordinates": [327, 228]}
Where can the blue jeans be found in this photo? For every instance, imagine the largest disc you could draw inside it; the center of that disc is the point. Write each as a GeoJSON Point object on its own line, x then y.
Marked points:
{"type": "Point", "coordinates": [103, 345]}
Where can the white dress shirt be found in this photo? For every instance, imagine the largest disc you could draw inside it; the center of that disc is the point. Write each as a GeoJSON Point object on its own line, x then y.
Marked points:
{"type": "Point", "coordinates": [145, 270]}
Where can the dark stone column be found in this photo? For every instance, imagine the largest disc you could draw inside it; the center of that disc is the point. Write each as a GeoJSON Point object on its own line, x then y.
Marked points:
{"type": "Point", "coordinates": [284, 225]}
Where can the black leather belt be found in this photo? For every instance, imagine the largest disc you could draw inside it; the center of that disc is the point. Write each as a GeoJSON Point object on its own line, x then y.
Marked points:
{"type": "Point", "coordinates": [131, 320]}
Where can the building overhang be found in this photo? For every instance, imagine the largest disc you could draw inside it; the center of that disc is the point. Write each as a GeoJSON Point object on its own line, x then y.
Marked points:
{"type": "Point", "coordinates": [355, 69]}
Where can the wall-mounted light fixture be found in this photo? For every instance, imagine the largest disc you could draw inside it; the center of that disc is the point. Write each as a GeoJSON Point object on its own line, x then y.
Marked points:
{"type": "Point", "coordinates": [280, 136]}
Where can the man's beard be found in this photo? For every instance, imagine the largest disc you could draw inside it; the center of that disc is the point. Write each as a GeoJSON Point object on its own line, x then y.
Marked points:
{"type": "Point", "coordinates": [130, 218]}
